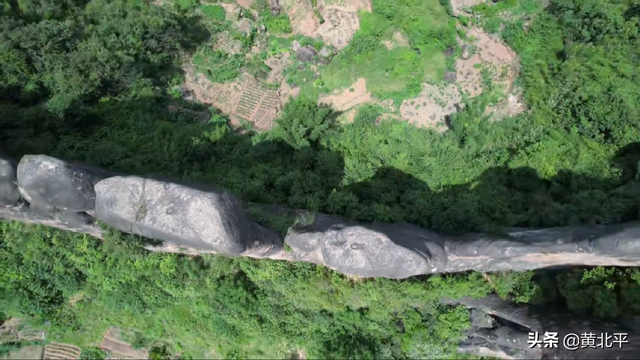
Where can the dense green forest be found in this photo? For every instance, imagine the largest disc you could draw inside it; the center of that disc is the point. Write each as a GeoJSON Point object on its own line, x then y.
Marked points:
{"type": "Point", "coordinates": [95, 82]}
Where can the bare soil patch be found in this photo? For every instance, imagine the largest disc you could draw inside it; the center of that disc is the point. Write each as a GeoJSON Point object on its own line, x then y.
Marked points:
{"type": "Point", "coordinates": [231, 9]}
{"type": "Point", "coordinates": [511, 106]}
{"type": "Point", "coordinates": [287, 92]}
{"type": "Point", "coordinates": [339, 27]}
{"type": "Point", "coordinates": [11, 331]}
{"type": "Point", "coordinates": [469, 75]}
{"type": "Point", "coordinates": [347, 5]}
{"type": "Point", "coordinates": [431, 106]}
{"type": "Point", "coordinates": [486, 53]}
{"type": "Point", "coordinates": [493, 55]}
{"type": "Point", "coordinates": [277, 65]}
{"type": "Point", "coordinates": [117, 348]}
{"type": "Point", "coordinates": [245, 3]}
{"type": "Point", "coordinates": [223, 96]}
{"type": "Point", "coordinates": [61, 351]}
{"type": "Point", "coordinates": [354, 95]}
{"type": "Point", "coordinates": [349, 116]}
{"type": "Point", "coordinates": [400, 39]}
{"type": "Point", "coordinates": [27, 352]}
{"type": "Point", "coordinates": [298, 355]}
{"type": "Point", "coordinates": [340, 20]}
{"type": "Point", "coordinates": [228, 44]}
{"type": "Point", "coordinates": [303, 19]}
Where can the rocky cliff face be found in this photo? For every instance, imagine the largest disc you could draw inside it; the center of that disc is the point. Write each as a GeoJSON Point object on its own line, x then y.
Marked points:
{"type": "Point", "coordinates": [45, 190]}
{"type": "Point", "coordinates": [502, 329]}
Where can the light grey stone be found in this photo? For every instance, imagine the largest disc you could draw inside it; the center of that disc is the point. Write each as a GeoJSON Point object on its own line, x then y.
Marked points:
{"type": "Point", "coordinates": [9, 194]}
{"type": "Point", "coordinates": [50, 183]}
{"type": "Point", "coordinates": [181, 215]}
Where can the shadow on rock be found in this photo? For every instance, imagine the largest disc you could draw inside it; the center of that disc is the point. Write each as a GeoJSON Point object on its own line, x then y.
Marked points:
{"type": "Point", "coordinates": [502, 329]}
{"type": "Point", "coordinates": [161, 139]}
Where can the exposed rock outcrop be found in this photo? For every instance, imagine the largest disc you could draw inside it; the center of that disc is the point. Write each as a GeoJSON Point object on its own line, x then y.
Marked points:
{"type": "Point", "coordinates": [50, 183]}
{"type": "Point", "coordinates": [181, 215]}
{"type": "Point", "coordinates": [518, 332]}
{"type": "Point", "coordinates": [194, 221]}
{"type": "Point", "coordinates": [9, 194]}
{"type": "Point", "coordinates": [306, 53]}
{"type": "Point", "coordinates": [371, 250]}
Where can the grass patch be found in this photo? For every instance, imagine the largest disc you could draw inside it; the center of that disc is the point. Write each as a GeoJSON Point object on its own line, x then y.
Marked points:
{"type": "Point", "coordinates": [494, 16]}
{"type": "Point", "coordinates": [397, 73]}
{"type": "Point", "coordinates": [281, 222]}
{"type": "Point", "coordinates": [214, 12]}
{"type": "Point", "coordinates": [218, 66]}
{"type": "Point", "coordinates": [278, 24]}
{"type": "Point", "coordinates": [278, 45]}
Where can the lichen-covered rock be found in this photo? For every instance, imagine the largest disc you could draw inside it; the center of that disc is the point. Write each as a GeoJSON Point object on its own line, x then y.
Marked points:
{"type": "Point", "coordinates": [9, 194]}
{"type": "Point", "coordinates": [50, 183]}
{"type": "Point", "coordinates": [481, 319]}
{"type": "Point", "coordinates": [181, 215]}
{"type": "Point", "coordinates": [371, 250]}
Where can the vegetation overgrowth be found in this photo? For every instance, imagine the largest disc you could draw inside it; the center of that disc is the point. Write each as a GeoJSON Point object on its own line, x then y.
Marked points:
{"type": "Point", "coordinates": [88, 81]}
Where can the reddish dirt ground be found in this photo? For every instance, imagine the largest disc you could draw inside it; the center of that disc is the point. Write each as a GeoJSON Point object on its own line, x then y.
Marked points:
{"type": "Point", "coordinates": [111, 342]}
{"type": "Point", "coordinates": [348, 98]}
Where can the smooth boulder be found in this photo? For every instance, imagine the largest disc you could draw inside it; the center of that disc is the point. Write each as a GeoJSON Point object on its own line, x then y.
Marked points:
{"type": "Point", "coordinates": [371, 250]}
{"type": "Point", "coordinates": [181, 215]}
{"type": "Point", "coordinates": [50, 183]}
{"type": "Point", "coordinates": [306, 54]}
{"type": "Point", "coordinates": [9, 194]}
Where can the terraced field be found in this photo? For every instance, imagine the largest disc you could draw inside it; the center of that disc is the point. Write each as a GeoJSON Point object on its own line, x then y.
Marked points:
{"type": "Point", "coordinates": [58, 351]}
{"type": "Point", "coordinates": [257, 104]}
{"type": "Point", "coordinates": [228, 44]}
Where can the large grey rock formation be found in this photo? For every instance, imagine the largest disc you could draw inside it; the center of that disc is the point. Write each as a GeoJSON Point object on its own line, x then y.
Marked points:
{"type": "Point", "coordinates": [526, 249]}
{"type": "Point", "coordinates": [182, 216]}
{"type": "Point", "coordinates": [518, 332]}
{"type": "Point", "coordinates": [9, 194]}
{"type": "Point", "coordinates": [403, 250]}
{"type": "Point", "coordinates": [50, 183]}
{"type": "Point", "coordinates": [370, 250]}
{"type": "Point", "coordinates": [194, 221]}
